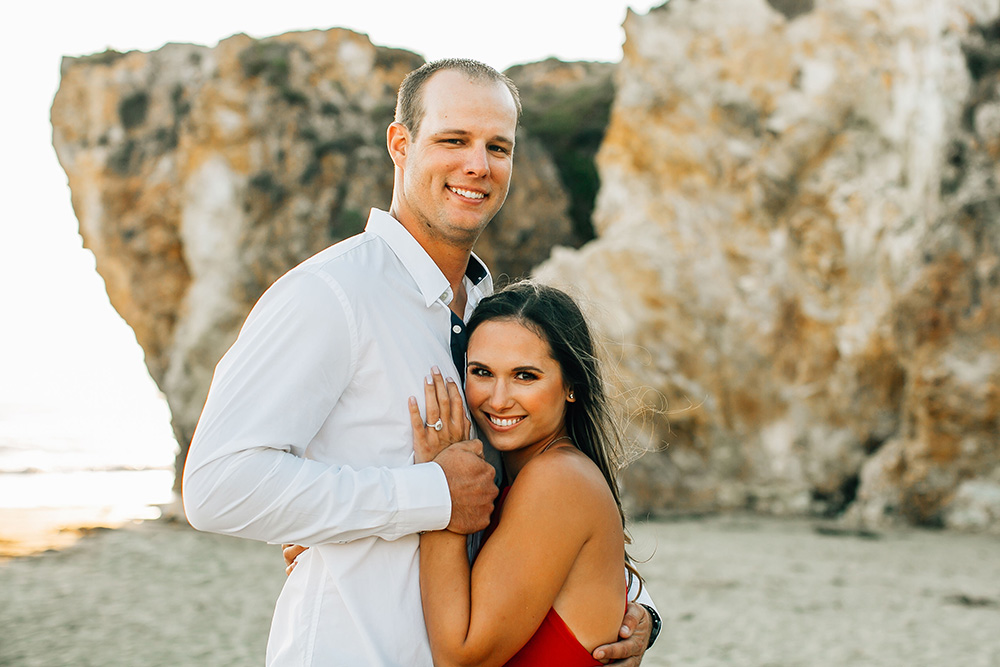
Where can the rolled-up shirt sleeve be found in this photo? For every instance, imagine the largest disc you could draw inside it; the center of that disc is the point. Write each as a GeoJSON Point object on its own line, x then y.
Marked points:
{"type": "Point", "coordinates": [246, 473]}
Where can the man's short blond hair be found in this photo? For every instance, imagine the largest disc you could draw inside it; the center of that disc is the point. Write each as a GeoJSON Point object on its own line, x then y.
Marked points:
{"type": "Point", "coordinates": [409, 103]}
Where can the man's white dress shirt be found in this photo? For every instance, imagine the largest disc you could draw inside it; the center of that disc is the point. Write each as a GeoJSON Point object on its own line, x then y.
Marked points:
{"type": "Point", "coordinates": [305, 438]}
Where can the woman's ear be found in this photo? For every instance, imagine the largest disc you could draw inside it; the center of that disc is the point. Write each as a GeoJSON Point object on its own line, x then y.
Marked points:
{"type": "Point", "coordinates": [397, 139]}
{"type": "Point", "coordinates": [571, 397]}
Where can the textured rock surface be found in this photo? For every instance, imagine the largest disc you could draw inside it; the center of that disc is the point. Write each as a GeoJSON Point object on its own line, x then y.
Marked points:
{"type": "Point", "coordinates": [566, 107]}
{"type": "Point", "coordinates": [199, 175]}
{"type": "Point", "coordinates": [798, 222]}
{"type": "Point", "coordinates": [799, 234]}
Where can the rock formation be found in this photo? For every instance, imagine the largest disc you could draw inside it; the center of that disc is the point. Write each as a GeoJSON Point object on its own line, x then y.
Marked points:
{"type": "Point", "coordinates": [566, 107]}
{"type": "Point", "coordinates": [797, 252]}
{"type": "Point", "coordinates": [798, 255]}
{"type": "Point", "coordinates": [200, 175]}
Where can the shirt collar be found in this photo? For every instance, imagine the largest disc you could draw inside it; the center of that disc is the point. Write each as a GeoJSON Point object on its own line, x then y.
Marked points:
{"type": "Point", "coordinates": [430, 281]}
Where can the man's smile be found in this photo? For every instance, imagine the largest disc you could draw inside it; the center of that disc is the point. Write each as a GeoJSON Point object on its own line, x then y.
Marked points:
{"type": "Point", "coordinates": [468, 194]}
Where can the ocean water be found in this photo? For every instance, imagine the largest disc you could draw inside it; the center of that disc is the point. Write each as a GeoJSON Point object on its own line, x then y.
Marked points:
{"type": "Point", "coordinates": [84, 430]}
{"type": "Point", "coordinates": [112, 458]}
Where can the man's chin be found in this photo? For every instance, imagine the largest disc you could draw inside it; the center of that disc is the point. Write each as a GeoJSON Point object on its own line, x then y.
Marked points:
{"type": "Point", "coordinates": [467, 231]}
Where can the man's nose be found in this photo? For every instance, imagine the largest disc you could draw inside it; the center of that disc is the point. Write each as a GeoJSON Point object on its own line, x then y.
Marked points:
{"type": "Point", "coordinates": [477, 162]}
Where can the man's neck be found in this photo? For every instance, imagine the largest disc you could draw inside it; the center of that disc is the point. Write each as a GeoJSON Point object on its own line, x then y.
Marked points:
{"type": "Point", "coordinates": [453, 263]}
{"type": "Point", "coordinates": [453, 260]}
{"type": "Point", "coordinates": [459, 299]}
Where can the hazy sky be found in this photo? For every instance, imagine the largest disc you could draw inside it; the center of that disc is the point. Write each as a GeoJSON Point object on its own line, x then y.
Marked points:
{"type": "Point", "coordinates": [63, 349]}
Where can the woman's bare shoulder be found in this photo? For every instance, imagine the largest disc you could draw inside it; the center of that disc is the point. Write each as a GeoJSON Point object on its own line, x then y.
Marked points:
{"type": "Point", "coordinates": [566, 474]}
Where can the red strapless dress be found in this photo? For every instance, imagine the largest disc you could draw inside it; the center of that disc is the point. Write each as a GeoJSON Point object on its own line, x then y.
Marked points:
{"type": "Point", "coordinates": [553, 644]}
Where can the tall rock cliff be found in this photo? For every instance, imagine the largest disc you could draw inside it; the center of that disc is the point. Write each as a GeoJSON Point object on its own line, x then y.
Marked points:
{"type": "Point", "coordinates": [799, 254]}
{"type": "Point", "coordinates": [200, 175]}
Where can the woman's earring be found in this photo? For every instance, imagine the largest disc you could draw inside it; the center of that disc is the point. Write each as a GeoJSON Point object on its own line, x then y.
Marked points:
{"type": "Point", "coordinates": [571, 396]}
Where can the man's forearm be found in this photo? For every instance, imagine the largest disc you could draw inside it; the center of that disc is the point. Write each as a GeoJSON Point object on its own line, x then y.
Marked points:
{"type": "Point", "coordinates": [270, 495]}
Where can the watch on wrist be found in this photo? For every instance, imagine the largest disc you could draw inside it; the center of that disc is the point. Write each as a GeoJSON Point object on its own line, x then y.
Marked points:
{"type": "Point", "coordinates": [654, 619]}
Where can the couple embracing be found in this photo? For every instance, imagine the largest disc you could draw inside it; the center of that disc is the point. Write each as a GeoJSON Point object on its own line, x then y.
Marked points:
{"type": "Point", "coordinates": [316, 431]}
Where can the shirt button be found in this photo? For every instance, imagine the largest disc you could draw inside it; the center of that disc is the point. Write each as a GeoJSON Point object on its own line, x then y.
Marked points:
{"type": "Point", "coordinates": [457, 329]}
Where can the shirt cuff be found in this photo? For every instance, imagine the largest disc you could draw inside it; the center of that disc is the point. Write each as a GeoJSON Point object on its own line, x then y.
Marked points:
{"type": "Point", "coordinates": [424, 502]}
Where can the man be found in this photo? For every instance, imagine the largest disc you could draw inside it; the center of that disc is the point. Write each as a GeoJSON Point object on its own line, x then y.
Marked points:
{"type": "Point", "coordinates": [305, 436]}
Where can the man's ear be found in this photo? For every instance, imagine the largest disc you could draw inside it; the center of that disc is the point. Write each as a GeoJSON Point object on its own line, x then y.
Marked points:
{"type": "Point", "coordinates": [397, 139]}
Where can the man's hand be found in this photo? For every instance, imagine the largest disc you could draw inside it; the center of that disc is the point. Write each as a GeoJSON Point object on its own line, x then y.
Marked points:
{"type": "Point", "coordinates": [470, 483]}
{"type": "Point", "coordinates": [634, 638]}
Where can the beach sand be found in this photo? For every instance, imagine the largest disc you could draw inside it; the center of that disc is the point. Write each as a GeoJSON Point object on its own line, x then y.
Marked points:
{"type": "Point", "coordinates": [733, 590]}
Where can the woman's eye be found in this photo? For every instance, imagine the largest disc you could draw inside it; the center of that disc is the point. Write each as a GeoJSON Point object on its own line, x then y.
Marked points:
{"type": "Point", "coordinates": [479, 372]}
{"type": "Point", "coordinates": [526, 376]}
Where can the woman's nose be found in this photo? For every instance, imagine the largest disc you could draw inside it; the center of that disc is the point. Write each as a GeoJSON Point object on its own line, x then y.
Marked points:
{"type": "Point", "coordinates": [500, 397]}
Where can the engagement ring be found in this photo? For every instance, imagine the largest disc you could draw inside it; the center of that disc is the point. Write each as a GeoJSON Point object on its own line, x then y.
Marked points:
{"type": "Point", "coordinates": [437, 426]}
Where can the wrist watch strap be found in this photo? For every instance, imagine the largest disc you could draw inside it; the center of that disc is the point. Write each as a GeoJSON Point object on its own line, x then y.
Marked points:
{"type": "Point", "coordinates": [655, 620]}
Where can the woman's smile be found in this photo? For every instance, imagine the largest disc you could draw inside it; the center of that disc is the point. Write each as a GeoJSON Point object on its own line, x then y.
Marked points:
{"type": "Point", "coordinates": [503, 422]}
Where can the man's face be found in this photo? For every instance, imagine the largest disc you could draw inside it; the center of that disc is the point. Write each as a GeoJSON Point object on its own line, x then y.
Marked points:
{"type": "Point", "coordinates": [456, 170]}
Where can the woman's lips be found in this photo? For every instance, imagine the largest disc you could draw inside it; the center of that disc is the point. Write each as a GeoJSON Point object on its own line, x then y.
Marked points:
{"type": "Point", "coordinates": [504, 422]}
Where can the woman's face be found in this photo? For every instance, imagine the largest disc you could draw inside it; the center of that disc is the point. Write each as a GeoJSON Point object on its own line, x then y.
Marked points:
{"type": "Point", "coordinates": [514, 388]}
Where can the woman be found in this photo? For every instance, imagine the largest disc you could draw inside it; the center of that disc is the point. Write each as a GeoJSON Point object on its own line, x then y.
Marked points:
{"type": "Point", "coordinates": [547, 586]}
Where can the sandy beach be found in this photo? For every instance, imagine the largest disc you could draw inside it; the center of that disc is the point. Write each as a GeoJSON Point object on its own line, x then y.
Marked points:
{"type": "Point", "coordinates": [734, 590]}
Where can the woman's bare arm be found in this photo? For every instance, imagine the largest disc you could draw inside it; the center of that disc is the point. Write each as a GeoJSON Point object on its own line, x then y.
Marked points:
{"type": "Point", "coordinates": [484, 615]}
